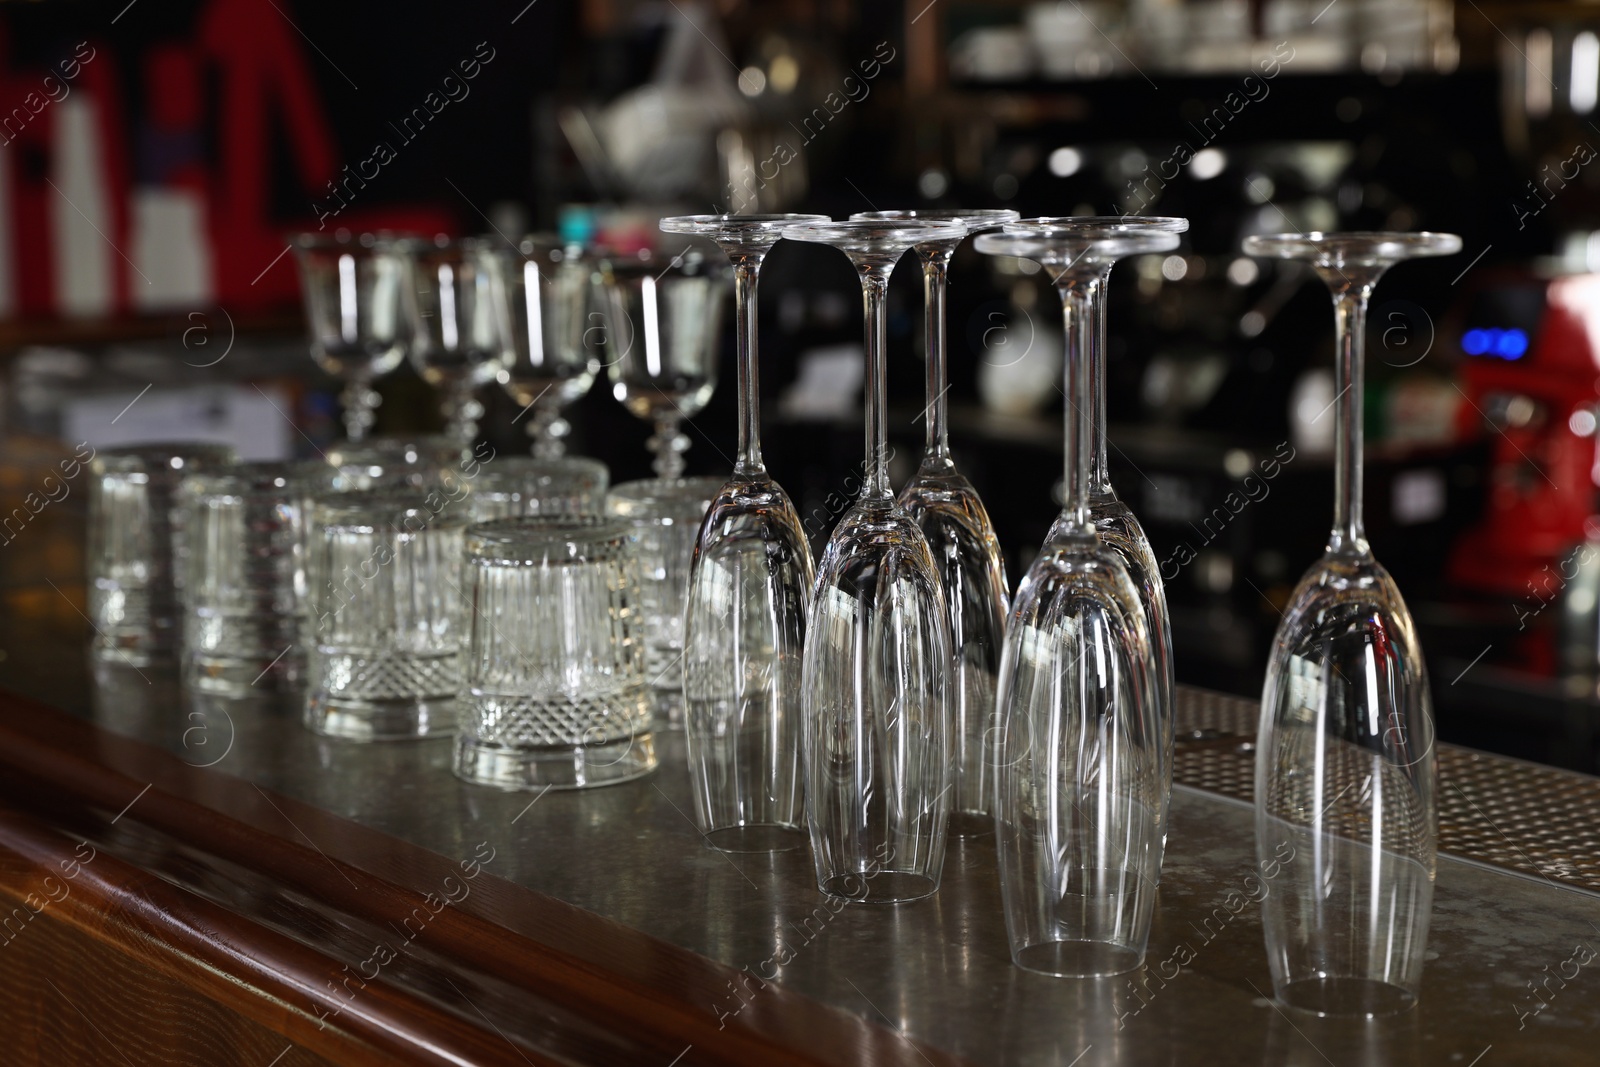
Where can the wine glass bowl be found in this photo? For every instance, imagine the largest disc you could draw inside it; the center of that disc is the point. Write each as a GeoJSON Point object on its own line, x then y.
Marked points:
{"type": "Point", "coordinates": [356, 291]}
{"type": "Point", "coordinates": [663, 343]}
{"type": "Point", "coordinates": [1345, 765]}
{"type": "Point", "coordinates": [550, 362]}
{"type": "Point", "coordinates": [877, 670]}
{"type": "Point", "coordinates": [460, 321]}
{"type": "Point", "coordinates": [744, 623]}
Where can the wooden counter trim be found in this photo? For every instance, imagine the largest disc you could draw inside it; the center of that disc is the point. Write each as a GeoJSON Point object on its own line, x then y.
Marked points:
{"type": "Point", "coordinates": [248, 969]}
{"type": "Point", "coordinates": [584, 970]}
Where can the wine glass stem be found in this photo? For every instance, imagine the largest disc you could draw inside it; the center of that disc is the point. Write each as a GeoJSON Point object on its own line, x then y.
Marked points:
{"type": "Point", "coordinates": [935, 271]}
{"type": "Point", "coordinates": [668, 448]}
{"type": "Point", "coordinates": [358, 400]}
{"type": "Point", "coordinates": [548, 431]}
{"type": "Point", "coordinates": [875, 289]}
{"type": "Point", "coordinates": [1099, 470]}
{"type": "Point", "coordinates": [1079, 308]}
{"type": "Point", "coordinates": [461, 420]}
{"type": "Point", "coordinates": [1350, 322]}
{"type": "Point", "coordinates": [746, 271]}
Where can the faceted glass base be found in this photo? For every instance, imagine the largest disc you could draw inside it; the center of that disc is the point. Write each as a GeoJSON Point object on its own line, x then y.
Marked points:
{"type": "Point", "coordinates": [556, 766]}
{"type": "Point", "coordinates": [380, 720]}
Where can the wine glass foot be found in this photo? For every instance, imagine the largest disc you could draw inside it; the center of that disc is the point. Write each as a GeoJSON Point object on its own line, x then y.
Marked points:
{"type": "Point", "coordinates": [1078, 959]}
{"type": "Point", "coordinates": [756, 837]}
{"type": "Point", "coordinates": [882, 887]}
{"type": "Point", "coordinates": [970, 824]}
{"type": "Point", "coordinates": [1361, 997]}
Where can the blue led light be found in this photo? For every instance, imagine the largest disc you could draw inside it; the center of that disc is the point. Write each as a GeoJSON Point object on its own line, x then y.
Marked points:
{"type": "Point", "coordinates": [1503, 344]}
{"type": "Point", "coordinates": [1512, 344]}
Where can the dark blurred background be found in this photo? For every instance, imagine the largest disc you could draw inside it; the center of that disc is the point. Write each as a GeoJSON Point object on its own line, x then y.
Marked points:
{"type": "Point", "coordinates": [154, 156]}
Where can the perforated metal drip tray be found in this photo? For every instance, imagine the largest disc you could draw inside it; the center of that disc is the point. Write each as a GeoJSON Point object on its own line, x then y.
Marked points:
{"type": "Point", "coordinates": [1539, 821]}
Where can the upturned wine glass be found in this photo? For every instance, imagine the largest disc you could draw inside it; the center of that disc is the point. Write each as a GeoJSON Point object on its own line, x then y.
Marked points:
{"type": "Point", "coordinates": [460, 324]}
{"type": "Point", "coordinates": [1344, 752]}
{"type": "Point", "coordinates": [875, 685]}
{"type": "Point", "coordinates": [960, 536]}
{"type": "Point", "coordinates": [1079, 745]}
{"type": "Point", "coordinates": [663, 342]}
{"type": "Point", "coordinates": [549, 361]}
{"type": "Point", "coordinates": [1115, 521]}
{"type": "Point", "coordinates": [744, 626]}
{"type": "Point", "coordinates": [355, 290]}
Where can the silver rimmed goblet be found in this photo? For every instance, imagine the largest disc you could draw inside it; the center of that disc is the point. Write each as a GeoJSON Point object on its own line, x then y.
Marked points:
{"type": "Point", "coordinates": [876, 680]}
{"type": "Point", "coordinates": [1344, 752]}
{"type": "Point", "coordinates": [960, 536]}
{"type": "Point", "coordinates": [744, 627]}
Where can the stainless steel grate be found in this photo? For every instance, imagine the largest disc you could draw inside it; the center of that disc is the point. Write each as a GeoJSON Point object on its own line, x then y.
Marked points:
{"type": "Point", "coordinates": [1537, 820]}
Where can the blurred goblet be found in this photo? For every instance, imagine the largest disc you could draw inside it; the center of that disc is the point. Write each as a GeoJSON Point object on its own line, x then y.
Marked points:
{"type": "Point", "coordinates": [460, 323]}
{"type": "Point", "coordinates": [663, 338]}
{"type": "Point", "coordinates": [549, 363]}
{"type": "Point", "coordinates": [355, 291]}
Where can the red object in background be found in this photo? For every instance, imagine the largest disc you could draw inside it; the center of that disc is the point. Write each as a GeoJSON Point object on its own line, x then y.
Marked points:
{"type": "Point", "coordinates": [1542, 474]}
{"type": "Point", "coordinates": [263, 92]}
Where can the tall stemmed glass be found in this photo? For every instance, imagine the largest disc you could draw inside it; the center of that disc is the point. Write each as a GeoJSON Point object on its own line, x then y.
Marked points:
{"type": "Point", "coordinates": [460, 321]}
{"type": "Point", "coordinates": [549, 362]}
{"type": "Point", "coordinates": [1344, 752]}
{"type": "Point", "coordinates": [744, 626]}
{"type": "Point", "coordinates": [1115, 521]}
{"type": "Point", "coordinates": [875, 686]}
{"type": "Point", "coordinates": [960, 536]}
{"type": "Point", "coordinates": [355, 297]}
{"type": "Point", "coordinates": [1079, 748]}
{"type": "Point", "coordinates": [663, 343]}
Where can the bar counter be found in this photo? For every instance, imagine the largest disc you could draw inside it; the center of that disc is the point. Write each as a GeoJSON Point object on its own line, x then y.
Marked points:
{"type": "Point", "coordinates": [191, 880]}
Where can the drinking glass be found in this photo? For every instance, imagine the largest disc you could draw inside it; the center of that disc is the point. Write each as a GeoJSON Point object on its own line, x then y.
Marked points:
{"type": "Point", "coordinates": [1344, 752]}
{"type": "Point", "coordinates": [961, 537]}
{"type": "Point", "coordinates": [876, 679]}
{"type": "Point", "coordinates": [135, 547]}
{"type": "Point", "coordinates": [663, 342]}
{"type": "Point", "coordinates": [511, 486]}
{"type": "Point", "coordinates": [556, 693]}
{"type": "Point", "coordinates": [460, 322]}
{"type": "Point", "coordinates": [244, 531]}
{"type": "Point", "coordinates": [387, 613]}
{"type": "Point", "coordinates": [551, 361]}
{"type": "Point", "coordinates": [356, 291]}
{"type": "Point", "coordinates": [744, 625]}
{"type": "Point", "coordinates": [1118, 526]}
{"type": "Point", "coordinates": [1079, 748]}
{"type": "Point", "coordinates": [664, 517]}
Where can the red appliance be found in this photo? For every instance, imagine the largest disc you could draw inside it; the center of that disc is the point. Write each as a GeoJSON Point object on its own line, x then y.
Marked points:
{"type": "Point", "coordinates": [1531, 374]}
